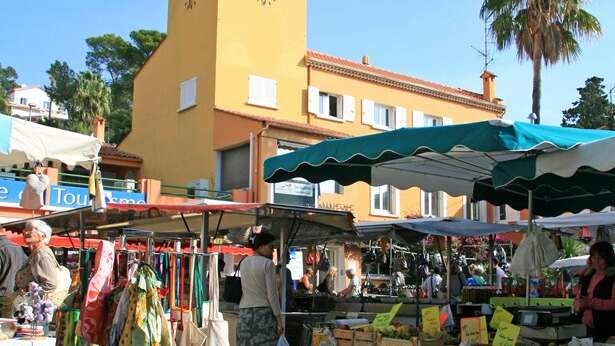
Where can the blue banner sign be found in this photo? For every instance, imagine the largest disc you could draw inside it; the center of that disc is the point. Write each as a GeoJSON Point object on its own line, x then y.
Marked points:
{"type": "Point", "coordinates": [66, 196]}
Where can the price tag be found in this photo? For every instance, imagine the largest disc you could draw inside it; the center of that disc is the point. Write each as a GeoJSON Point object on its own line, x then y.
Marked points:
{"type": "Point", "coordinates": [474, 330]}
{"type": "Point", "coordinates": [500, 315]}
{"type": "Point", "coordinates": [507, 335]}
{"type": "Point", "coordinates": [384, 319]}
{"type": "Point", "coordinates": [431, 320]}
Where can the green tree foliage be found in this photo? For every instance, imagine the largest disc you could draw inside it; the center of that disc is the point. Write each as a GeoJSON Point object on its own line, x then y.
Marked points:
{"type": "Point", "coordinates": [117, 60]}
{"type": "Point", "coordinates": [543, 31]}
{"type": "Point", "coordinates": [92, 97]}
{"type": "Point", "coordinates": [8, 78]}
{"type": "Point", "coordinates": [572, 248]}
{"type": "Point", "coordinates": [593, 109]}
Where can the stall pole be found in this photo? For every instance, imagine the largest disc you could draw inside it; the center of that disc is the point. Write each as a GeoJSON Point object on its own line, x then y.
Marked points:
{"type": "Point", "coordinates": [391, 267]}
{"type": "Point", "coordinates": [82, 263]}
{"type": "Point", "coordinates": [282, 260]}
{"type": "Point", "coordinates": [530, 228]}
{"type": "Point", "coordinates": [449, 253]}
{"type": "Point", "coordinates": [204, 249]}
{"type": "Point", "coordinates": [490, 257]}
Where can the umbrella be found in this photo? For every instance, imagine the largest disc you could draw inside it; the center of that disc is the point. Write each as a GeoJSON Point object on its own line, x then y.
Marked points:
{"type": "Point", "coordinates": [23, 141]}
{"type": "Point", "coordinates": [572, 262]}
{"type": "Point", "coordinates": [457, 159]}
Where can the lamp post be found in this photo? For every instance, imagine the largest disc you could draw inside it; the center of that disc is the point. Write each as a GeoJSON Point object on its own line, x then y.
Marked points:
{"type": "Point", "coordinates": [30, 106]}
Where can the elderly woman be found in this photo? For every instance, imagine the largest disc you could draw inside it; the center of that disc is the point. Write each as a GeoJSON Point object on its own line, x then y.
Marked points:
{"type": "Point", "coordinates": [42, 266]}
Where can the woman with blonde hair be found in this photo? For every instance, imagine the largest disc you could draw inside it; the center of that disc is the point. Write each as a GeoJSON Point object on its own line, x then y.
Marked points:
{"type": "Point", "coordinates": [328, 284]}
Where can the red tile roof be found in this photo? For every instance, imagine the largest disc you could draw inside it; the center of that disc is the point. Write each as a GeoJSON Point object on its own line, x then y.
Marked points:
{"type": "Point", "coordinates": [289, 125]}
{"type": "Point", "coordinates": [313, 56]}
{"type": "Point", "coordinates": [111, 151]}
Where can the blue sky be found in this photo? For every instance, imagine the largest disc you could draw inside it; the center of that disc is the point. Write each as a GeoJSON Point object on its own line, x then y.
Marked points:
{"type": "Point", "coordinates": [426, 39]}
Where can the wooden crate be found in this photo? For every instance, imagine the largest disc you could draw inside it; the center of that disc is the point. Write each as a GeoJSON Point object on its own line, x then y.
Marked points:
{"type": "Point", "coordinates": [343, 342]}
{"type": "Point", "coordinates": [345, 334]}
{"type": "Point", "coordinates": [364, 343]}
{"type": "Point", "coordinates": [365, 336]}
{"type": "Point", "coordinates": [396, 342]}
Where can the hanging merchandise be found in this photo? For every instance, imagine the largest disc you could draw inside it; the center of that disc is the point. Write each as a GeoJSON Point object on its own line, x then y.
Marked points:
{"type": "Point", "coordinates": [313, 257]}
{"type": "Point", "coordinates": [92, 309]}
{"type": "Point", "coordinates": [535, 252]}
{"type": "Point", "coordinates": [217, 327]}
{"type": "Point", "coordinates": [198, 294]}
{"type": "Point", "coordinates": [146, 323]}
{"type": "Point", "coordinates": [32, 196]}
{"type": "Point", "coordinates": [323, 264]}
{"type": "Point", "coordinates": [192, 335]}
{"type": "Point", "coordinates": [96, 191]}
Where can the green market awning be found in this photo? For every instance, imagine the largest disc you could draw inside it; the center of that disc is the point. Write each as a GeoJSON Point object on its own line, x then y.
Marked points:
{"type": "Point", "coordinates": [457, 159]}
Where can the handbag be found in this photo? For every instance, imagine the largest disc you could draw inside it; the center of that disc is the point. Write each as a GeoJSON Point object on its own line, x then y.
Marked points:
{"type": "Point", "coordinates": [217, 327]}
{"type": "Point", "coordinates": [323, 264]}
{"type": "Point", "coordinates": [191, 334]}
{"type": "Point", "coordinates": [232, 286]}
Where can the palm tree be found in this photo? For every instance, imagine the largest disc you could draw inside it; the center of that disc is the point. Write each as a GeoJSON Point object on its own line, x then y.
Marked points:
{"type": "Point", "coordinates": [92, 98]}
{"type": "Point", "coordinates": [543, 30]}
{"type": "Point", "coordinates": [572, 248]}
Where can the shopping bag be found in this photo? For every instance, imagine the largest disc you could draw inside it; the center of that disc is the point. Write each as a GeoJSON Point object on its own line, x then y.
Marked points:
{"type": "Point", "coordinates": [217, 327]}
{"type": "Point", "coordinates": [282, 341]}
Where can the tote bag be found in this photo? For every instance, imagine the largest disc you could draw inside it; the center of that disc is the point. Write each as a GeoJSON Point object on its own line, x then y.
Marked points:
{"type": "Point", "coordinates": [232, 286]}
{"type": "Point", "coordinates": [217, 327]}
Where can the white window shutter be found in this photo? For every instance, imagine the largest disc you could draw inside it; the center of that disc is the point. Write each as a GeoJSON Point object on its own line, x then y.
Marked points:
{"type": "Point", "coordinates": [444, 197]}
{"type": "Point", "coordinates": [348, 108]}
{"type": "Point", "coordinates": [418, 119]}
{"type": "Point", "coordinates": [313, 93]}
{"type": "Point", "coordinates": [327, 186]}
{"type": "Point", "coordinates": [367, 110]}
{"type": "Point", "coordinates": [396, 207]}
{"type": "Point", "coordinates": [187, 93]}
{"type": "Point", "coordinates": [400, 117]}
{"type": "Point", "coordinates": [271, 92]}
{"type": "Point", "coordinates": [423, 206]}
{"type": "Point", "coordinates": [254, 89]}
{"type": "Point", "coordinates": [447, 121]}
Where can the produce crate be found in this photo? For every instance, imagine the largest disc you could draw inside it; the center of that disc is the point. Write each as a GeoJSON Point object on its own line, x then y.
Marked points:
{"type": "Point", "coordinates": [365, 336]}
{"type": "Point", "coordinates": [344, 334]}
{"type": "Point", "coordinates": [397, 342]}
{"type": "Point", "coordinates": [343, 342]}
{"type": "Point", "coordinates": [364, 343]}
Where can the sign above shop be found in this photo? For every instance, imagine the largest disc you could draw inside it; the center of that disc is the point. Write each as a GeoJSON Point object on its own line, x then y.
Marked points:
{"type": "Point", "coordinates": [65, 196]}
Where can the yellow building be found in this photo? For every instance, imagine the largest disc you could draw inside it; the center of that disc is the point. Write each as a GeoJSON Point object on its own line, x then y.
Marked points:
{"type": "Point", "coordinates": [233, 83]}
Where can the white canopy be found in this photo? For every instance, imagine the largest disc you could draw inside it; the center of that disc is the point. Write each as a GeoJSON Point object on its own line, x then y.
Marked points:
{"type": "Point", "coordinates": [23, 141]}
{"type": "Point", "coordinates": [574, 220]}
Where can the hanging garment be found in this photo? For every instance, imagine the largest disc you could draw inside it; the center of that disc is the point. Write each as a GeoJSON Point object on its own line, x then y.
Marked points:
{"type": "Point", "coordinates": [32, 195]}
{"type": "Point", "coordinates": [217, 327]}
{"type": "Point", "coordinates": [92, 309]}
{"type": "Point", "coordinates": [119, 319]}
{"type": "Point", "coordinates": [145, 323]}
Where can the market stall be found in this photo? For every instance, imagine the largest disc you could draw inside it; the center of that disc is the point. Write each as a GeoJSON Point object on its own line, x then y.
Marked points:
{"type": "Point", "coordinates": [206, 223]}
{"type": "Point", "coordinates": [548, 170]}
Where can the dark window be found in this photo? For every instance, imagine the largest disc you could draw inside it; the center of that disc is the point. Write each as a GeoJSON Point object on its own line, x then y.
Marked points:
{"type": "Point", "coordinates": [502, 210]}
{"type": "Point", "coordinates": [235, 168]}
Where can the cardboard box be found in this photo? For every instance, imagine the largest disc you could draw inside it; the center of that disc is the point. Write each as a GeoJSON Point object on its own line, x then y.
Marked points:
{"type": "Point", "coordinates": [364, 343]}
{"type": "Point", "coordinates": [343, 342]}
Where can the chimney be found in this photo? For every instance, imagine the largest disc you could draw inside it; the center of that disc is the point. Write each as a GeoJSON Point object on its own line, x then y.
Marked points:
{"type": "Point", "coordinates": [488, 86]}
{"type": "Point", "coordinates": [98, 128]}
{"type": "Point", "coordinates": [365, 60]}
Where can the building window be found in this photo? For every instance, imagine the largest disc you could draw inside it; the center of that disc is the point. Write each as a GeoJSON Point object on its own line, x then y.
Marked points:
{"type": "Point", "coordinates": [502, 212]}
{"type": "Point", "coordinates": [383, 116]}
{"type": "Point", "coordinates": [384, 199]}
{"type": "Point", "coordinates": [432, 203]}
{"type": "Point", "coordinates": [330, 105]}
{"type": "Point", "coordinates": [187, 94]}
{"type": "Point", "coordinates": [331, 186]}
{"type": "Point", "coordinates": [432, 121]}
{"type": "Point", "coordinates": [23, 101]}
{"type": "Point", "coordinates": [235, 168]}
{"type": "Point", "coordinates": [46, 105]}
{"type": "Point", "coordinates": [263, 92]}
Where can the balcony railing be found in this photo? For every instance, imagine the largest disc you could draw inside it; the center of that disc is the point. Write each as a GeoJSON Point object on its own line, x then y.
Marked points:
{"type": "Point", "coordinates": [191, 192]}
{"type": "Point", "coordinates": [80, 180]}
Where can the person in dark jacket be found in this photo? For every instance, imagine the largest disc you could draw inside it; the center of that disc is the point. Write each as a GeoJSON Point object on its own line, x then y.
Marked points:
{"type": "Point", "coordinates": [596, 296]}
{"type": "Point", "coordinates": [12, 258]}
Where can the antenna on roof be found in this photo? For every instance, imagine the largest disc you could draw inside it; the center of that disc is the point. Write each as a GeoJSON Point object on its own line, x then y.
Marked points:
{"type": "Point", "coordinates": [485, 53]}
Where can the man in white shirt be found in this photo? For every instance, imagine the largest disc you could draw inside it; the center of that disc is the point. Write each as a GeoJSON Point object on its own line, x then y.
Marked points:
{"type": "Point", "coordinates": [499, 276]}
{"type": "Point", "coordinates": [431, 284]}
